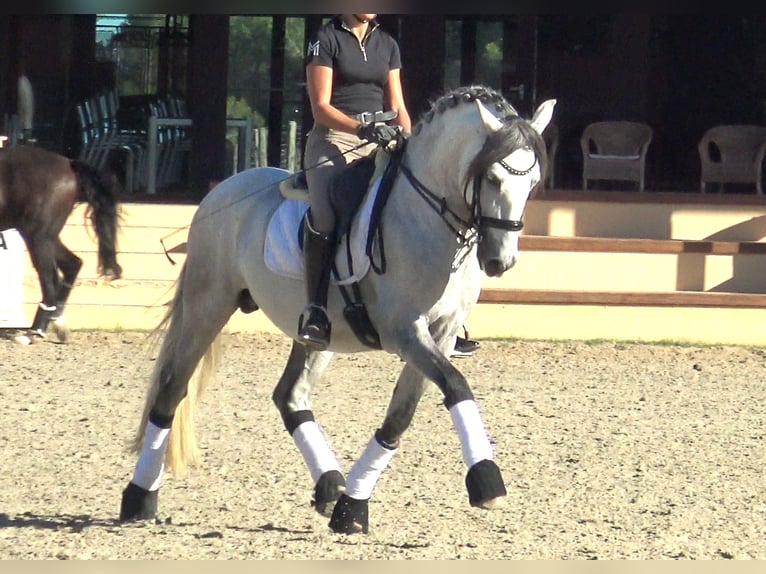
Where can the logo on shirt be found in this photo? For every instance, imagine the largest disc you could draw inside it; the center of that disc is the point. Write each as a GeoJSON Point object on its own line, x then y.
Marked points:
{"type": "Point", "coordinates": [313, 49]}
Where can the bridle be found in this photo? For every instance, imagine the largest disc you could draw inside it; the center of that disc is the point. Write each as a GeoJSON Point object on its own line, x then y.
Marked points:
{"type": "Point", "coordinates": [483, 221]}
{"type": "Point", "coordinates": [470, 231]}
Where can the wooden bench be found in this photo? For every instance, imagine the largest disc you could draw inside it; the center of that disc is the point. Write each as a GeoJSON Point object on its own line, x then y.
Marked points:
{"type": "Point", "coordinates": [619, 298]}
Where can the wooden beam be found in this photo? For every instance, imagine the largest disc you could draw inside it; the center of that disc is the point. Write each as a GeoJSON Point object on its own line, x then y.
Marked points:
{"type": "Point", "coordinates": [615, 245]}
{"type": "Point", "coordinates": [630, 299]}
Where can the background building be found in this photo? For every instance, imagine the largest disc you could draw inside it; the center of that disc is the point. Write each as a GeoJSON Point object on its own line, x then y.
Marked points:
{"type": "Point", "coordinates": [679, 73]}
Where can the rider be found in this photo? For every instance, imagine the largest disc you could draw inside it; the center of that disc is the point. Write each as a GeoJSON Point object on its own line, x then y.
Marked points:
{"type": "Point", "coordinates": [354, 86]}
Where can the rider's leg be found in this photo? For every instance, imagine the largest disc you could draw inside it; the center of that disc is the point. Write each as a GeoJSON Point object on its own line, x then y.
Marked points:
{"type": "Point", "coordinates": [323, 161]}
{"type": "Point", "coordinates": [327, 153]}
{"type": "Point", "coordinates": [318, 248]}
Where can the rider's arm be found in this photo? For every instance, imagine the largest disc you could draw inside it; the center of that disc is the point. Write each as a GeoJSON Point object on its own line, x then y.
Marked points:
{"type": "Point", "coordinates": [395, 100]}
{"type": "Point", "coordinates": [319, 86]}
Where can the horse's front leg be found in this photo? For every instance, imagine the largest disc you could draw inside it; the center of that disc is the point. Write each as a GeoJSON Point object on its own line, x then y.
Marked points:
{"type": "Point", "coordinates": [43, 259]}
{"type": "Point", "coordinates": [351, 514]}
{"type": "Point", "coordinates": [484, 481]}
{"type": "Point", "coordinates": [292, 396]}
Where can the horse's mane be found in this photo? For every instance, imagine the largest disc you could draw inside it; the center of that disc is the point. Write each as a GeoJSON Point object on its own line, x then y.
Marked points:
{"type": "Point", "coordinates": [516, 131]}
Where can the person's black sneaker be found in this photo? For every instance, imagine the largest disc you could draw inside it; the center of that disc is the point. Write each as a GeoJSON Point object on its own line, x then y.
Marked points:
{"type": "Point", "coordinates": [464, 347]}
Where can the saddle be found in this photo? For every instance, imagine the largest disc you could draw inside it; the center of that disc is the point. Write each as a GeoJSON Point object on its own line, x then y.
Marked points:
{"type": "Point", "coordinates": [347, 193]}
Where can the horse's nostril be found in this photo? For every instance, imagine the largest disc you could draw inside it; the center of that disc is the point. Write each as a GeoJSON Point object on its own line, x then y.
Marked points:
{"type": "Point", "coordinates": [496, 267]}
{"type": "Point", "coordinates": [493, 268]}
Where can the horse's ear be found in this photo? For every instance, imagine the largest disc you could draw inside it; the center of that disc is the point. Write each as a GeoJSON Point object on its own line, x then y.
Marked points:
{"type": "Point", "coordinates": [490, 121]}
{"type": "Point", "coordinates": [543, 115]}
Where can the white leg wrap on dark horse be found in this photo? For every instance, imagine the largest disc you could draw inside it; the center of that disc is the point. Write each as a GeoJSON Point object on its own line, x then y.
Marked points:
{"type": "Point", "coordinates": [470, 429]}
{"type": "Point", "coordinates": [317, 454]}
{"type": "Point", "coordinates": [151, 460]}
{"type": "Point", "coordinates": [366, 471]}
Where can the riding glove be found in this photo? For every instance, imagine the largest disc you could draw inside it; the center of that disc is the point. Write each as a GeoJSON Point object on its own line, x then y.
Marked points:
{"type": "Point", "coordinates": [381, 134]}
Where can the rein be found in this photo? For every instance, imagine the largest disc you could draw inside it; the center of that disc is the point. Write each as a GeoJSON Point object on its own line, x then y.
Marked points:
{"type": "Point", "coordinates": [439, 205]}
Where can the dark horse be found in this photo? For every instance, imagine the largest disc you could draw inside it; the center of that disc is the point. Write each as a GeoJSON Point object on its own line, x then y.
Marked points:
{"type": "Point", "coordinates": [38, 191]}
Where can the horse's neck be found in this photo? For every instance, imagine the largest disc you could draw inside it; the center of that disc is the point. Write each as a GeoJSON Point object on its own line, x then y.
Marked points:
{"type": "Point", "coordinates": [440, 153]}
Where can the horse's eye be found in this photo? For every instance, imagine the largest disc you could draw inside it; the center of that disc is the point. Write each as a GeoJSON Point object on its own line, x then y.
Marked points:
{"type": "Point", "coordinates": [492, 178]}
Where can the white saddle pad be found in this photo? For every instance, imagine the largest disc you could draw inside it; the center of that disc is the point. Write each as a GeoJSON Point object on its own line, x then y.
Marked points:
{"type": "Point", "coordinates": [282, 251]}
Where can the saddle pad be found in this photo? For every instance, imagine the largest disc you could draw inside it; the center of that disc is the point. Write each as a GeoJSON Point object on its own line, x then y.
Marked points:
{"type": "Point", "coordinates": [283, 254]}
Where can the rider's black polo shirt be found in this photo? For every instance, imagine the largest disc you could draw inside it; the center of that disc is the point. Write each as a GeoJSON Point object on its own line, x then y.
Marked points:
{"type": "Point", "coordinates": [360, 70]}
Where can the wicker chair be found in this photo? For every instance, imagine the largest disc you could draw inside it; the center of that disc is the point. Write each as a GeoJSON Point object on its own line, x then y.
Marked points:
{"type": "Point", "coordinates": [615, 151]}
{"type": "Point", "coordinates": [732, 154]}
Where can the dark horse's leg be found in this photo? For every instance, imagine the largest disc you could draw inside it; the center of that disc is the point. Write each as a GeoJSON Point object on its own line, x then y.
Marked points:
{"type": "Point", "coordinates": [70, 265]}
{"type": "Point", "coordinates": [292, 398]}
{"type": "Point", "coordinates": [42, 252]}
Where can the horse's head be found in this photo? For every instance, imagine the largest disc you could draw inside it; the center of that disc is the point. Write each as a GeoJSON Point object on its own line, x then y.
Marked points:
{"type": "Point", "coordinates": [499, 180]}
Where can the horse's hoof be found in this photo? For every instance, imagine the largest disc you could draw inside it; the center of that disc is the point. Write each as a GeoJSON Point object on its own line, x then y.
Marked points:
{"type": "Point", "coordinates": [23, 339]}
{"type": "Point", "coordinates": [328, 489]}
{"type": "Point", "coordinates": [350, 516]}
{"type": "Point", "coordinates": [138, 503]}
{"type": "Point", "coordinates": [30, 337]}
{"type": "Point", "coordinates": [60, 329]}
{"type": "Point", "coordinates": [485, 485]}
{"type": "Point", "coordinates": [493, 503]}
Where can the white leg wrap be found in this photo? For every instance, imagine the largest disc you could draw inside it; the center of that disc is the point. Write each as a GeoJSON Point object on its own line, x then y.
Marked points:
{"type": "Point", "coordinates": [470, 429]}
{"type": "Point", "coordinates": [317, 454]}
{"type": "Point", "coordinates": [151, 460]}
{"type": "Point", "coordinates": [366, 471]}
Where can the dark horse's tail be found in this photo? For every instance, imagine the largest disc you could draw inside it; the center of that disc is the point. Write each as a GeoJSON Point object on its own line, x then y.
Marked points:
{"type": "Point", "coordinates": [98, 189]}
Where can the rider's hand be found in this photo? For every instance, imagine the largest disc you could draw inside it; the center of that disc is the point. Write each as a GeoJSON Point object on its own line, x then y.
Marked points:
{"type": "Point", "coordinates": [381, 134]}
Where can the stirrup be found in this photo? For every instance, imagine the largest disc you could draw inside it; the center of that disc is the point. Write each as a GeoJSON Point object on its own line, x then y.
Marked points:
{"type": "Point", "coordinates": [315, 331]}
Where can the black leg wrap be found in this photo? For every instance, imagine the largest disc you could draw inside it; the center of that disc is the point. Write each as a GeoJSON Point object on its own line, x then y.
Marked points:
{"type": "Point", "coordinates": [484, 483]}
{"type": "Point", "coordinates": [350, 516]}
{"type": "Point", "coordinates": [138, 503]}
{"type": "Point", "coordinates": [328, 489]}
{"type": "Point", "coordinates": [42, 319]}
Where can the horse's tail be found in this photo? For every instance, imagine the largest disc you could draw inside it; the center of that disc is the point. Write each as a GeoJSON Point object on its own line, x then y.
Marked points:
{"type": "Point", "coordinates": [183, 450]}
{"type": "Point", "coordinates": [99, 190]}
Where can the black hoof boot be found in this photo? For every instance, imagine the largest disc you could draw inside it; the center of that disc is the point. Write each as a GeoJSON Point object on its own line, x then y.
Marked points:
{"type": "Point", "coordinates": [328, 489]}
{"type": "Point", "coordinates": [350, 516]}
{"type": "Point", "coordinates": [138, 503]}
{"type": "Point", "coordinates": [485, 485]}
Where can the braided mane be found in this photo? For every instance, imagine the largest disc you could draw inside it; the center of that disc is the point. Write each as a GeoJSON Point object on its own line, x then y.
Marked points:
{"type": "Point", "coordinates": [516, 132]}
{"type": "Point", "coordinates": [490, 97]}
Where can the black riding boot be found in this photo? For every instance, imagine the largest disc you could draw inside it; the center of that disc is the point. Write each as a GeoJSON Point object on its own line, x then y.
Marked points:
{"type": "Point", "coordinates": [318, 249]}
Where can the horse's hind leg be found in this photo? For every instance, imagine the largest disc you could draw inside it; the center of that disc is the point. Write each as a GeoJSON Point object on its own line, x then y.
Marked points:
{"type": "Point", "coordinates": [70, 265]}
{"type": "Point", "coordinates": [292, 398]}
{"type": "Point", "coordinates": [190, 338]}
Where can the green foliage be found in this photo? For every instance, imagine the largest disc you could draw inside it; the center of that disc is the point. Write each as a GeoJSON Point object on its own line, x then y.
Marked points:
{"type": "Point", "coordinates": [250, 48]}
{"type": "Point", "coordinates": [239, 108]}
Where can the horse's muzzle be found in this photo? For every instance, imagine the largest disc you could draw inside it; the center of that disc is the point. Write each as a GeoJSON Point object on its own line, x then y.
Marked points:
{"type": "Point", "coordinates": [496, 267]}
